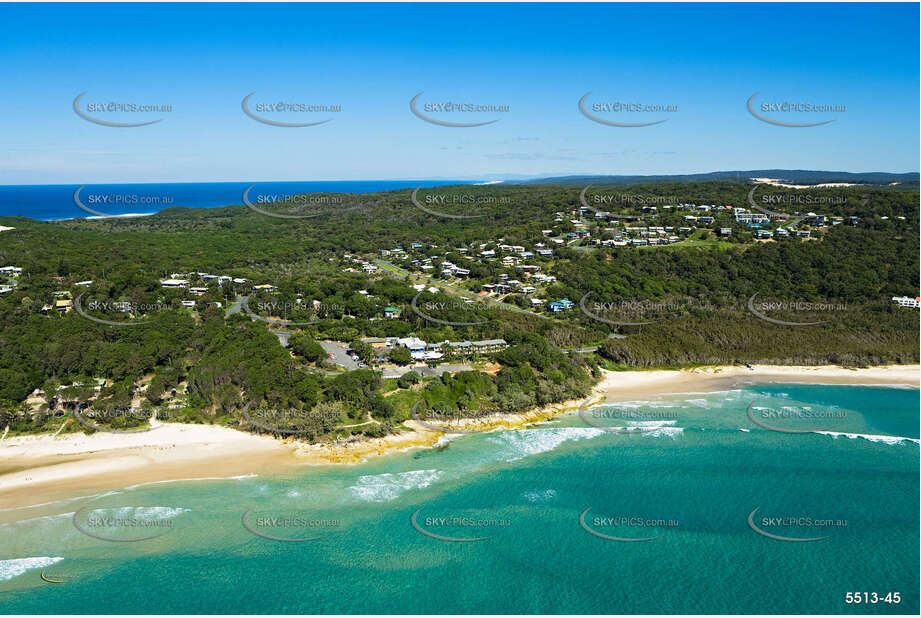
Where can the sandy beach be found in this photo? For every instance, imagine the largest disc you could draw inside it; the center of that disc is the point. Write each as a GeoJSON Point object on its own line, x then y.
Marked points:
{"type": "Point", "coordinates": [40, 469]}
{"type": "Point", "coordinates": [619, 384]}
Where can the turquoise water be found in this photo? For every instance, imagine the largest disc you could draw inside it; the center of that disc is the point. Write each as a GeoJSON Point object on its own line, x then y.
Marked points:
{"type": "Point", "coordinates": [692, 477]}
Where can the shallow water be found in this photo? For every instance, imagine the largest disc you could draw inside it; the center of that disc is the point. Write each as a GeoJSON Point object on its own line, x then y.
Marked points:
{"type": "Point", "coordinates": [688, 474]}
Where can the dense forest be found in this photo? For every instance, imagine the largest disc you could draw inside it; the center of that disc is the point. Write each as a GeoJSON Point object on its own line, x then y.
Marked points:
{"type": "Point", "coordinates": [681, 305]}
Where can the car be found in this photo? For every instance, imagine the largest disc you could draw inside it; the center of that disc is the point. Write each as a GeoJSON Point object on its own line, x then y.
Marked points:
{"type": "Point", "coordinates": [331, 355]}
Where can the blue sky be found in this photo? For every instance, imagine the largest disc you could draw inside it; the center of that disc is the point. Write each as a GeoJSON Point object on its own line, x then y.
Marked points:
{"type": "Point", "coordinates": [539, 60]}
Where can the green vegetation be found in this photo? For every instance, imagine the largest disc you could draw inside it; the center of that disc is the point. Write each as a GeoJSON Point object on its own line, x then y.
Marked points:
{"type": "Point", "coordinates": [676, 305]}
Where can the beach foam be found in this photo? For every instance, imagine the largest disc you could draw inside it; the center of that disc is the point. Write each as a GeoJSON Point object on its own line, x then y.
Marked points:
{"type": "Point", "coordinates": [387, 486]}
{"type": "Point", "coordinates": [525, 442]}
{"type": "Point", "coordinates": [870, 437]}
{"type": "Point", "coordinates": [17, 566]}
{"type": "Point", "coordinates": [539, 496]}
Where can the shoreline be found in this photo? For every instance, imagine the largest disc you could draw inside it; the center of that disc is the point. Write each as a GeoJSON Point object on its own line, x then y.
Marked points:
{"type": "Point", "coordinates": [39, 469]}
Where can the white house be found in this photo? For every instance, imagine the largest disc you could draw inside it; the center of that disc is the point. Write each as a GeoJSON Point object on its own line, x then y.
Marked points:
{"type": "Point", "coordinates": [906, 301]}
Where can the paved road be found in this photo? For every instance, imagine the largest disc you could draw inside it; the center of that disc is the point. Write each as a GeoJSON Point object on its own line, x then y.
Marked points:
{"type": "Point", "coordinates": [236, 306]}
{"type": "Point", "coordinates": [342, 359]}
{"type": "Point", "coordinates": [457, 291]}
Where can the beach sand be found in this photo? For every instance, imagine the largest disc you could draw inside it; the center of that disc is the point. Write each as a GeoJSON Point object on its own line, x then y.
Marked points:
{"type": "Point", "coordinates": [620, 384]}
{"type": "Point", "coordinates": [40, 469]}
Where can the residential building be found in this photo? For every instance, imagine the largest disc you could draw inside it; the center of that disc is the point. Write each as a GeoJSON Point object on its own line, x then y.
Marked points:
{"type": "Point", "coordinates": [906, 301]}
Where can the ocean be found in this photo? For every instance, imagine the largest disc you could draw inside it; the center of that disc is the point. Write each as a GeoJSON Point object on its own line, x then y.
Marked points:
{"type": "Point", "coordinates": [673, 504]}
{"type": "Point", "coordinates": [54, 202]}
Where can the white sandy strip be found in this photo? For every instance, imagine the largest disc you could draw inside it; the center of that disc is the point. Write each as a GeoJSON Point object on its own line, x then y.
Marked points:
{"type": "Point", "coordinates": [825, 185]}
{"type": "Point", "coordinates": [165, 436]}
{"type": "Point", "coordinates": [616, 382]}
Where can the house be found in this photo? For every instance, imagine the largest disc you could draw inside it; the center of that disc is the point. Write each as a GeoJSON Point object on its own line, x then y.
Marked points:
{"type": "Point", "coordinates": [782, 232]}
{"type": "Point", "coordinates": [764, 234]}
{"type": "Point", "coordinates": [816, 220]}
{"type": "Point", "coordinates": [12, 271]}
{"type": "Point", "coordinates": [803, 233]}
{"type": "Point", "coordinates": [393, 313]}
{"type": "Point", "coordinates": [561, 305]}
{"type": "Point", "coordinates": [547, 232]}
{"type": "Point", "coordinates": [84, 284]}
{"type": "Point", "coordinates": [198, 291]}
{"type": "Point", "coordinates": [725, 231]}
{"type": "Point", "coordinates": [188, 304]}
{"type": "Point", "coordinates": [706, 220]}
{"type": "Point", "coordinates": [174, 283]}
{"type": "Point", "coordinates": [490, 345]}
{"type": "Point", "coordinates": [489, 253]}
{"type": "Point", "coordinates": [751, 217]}
{"type": "Point", "coordinates": [536, 302]}
{"type": "Point", "coordinates": [415, 346]}
{"type": "Point", "coordinates": [265, 287]}
{"type": "Point", "coordinates": [905, 301]}
{"type": "Point", "coordinates": [5, 288]}
{"type": "Point", "coordinates": [545, 252]}
{"type": "Point", "coordinates": [64, 305]}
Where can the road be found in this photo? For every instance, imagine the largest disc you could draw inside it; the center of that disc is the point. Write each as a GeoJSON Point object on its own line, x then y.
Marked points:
{"type": "Point", "coordinates": [236, 306]}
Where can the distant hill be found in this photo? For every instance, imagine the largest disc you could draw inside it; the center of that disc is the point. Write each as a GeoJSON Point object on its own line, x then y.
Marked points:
{"type": "Point", "coordinates": [908, 180]}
